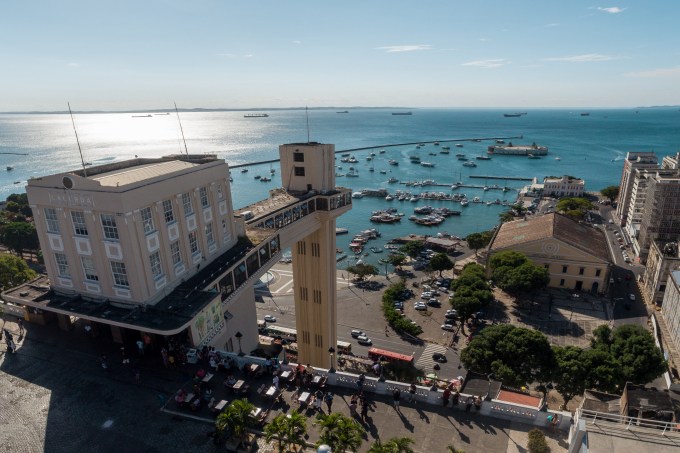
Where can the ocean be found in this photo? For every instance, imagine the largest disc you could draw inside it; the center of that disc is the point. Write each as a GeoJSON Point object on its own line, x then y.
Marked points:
{"type": "Point", "coordinates": [590, 147]}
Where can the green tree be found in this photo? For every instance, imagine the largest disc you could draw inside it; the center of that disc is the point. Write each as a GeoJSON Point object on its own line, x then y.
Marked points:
{"type": "Point", "coordinates": [537, 442]}
{"type": "Point", "coordinates": [238, 419]}
{"type": "Point", "coordinates": [633, 349]}
{"type": "Point", "coordinates": [478, 241]}
{"type": "Point", "coordinates": [570, 372]}
{"type": "Point", "coordinates": [20, 236]}
{"type": "Point", "coordinates": [396, 259]}
{"type": "Point", "coordinates": [611, 192]}
{"type": "Point", "coordinates": [394, 445]}
{"type": "Point", "coordinates": [14, 271]}
{"type": "Point", "coordinates": [514, 273]}
{"type": "Point", "coordinates": [440, 262]}
{"type": "Point", "coordinates": [340, 432]}
{"type": "Point", "coordinates": [516, 355]}
{"type": "Point", "coordinates": [412, 248]}
{"type": "Point", "coordinates": [452, 449]}
{"type": "Point", "coordinates": [362, 270]}
{"type": "Point", "coordinates": [289, 429]}
{"type": "Point", "coordinates": [575, 207]}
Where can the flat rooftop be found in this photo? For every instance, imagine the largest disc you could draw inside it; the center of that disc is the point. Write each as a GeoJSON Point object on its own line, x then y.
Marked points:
{"type": "Point", "coordinates": [131, 175]}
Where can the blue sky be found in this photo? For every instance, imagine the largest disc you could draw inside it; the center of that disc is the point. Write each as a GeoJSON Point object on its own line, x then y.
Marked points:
{"type": "Point", "coordinates": [118, 55]}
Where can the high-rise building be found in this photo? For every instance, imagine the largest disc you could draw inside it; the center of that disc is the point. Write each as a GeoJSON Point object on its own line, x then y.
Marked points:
{"type": "Point", "coordinates": [661, 211]}
{"type": "Point", "coordinates": [663, 258]}
{"type": "Point", "coordinates": [633, 161]}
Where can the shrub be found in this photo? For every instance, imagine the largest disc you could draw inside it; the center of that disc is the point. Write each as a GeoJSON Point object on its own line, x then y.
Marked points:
{"type": "Point", "coordinates": [537, 443]}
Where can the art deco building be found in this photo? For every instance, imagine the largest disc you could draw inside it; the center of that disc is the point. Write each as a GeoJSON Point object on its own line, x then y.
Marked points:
{"type": "Point", "coordinates": [153, 247]}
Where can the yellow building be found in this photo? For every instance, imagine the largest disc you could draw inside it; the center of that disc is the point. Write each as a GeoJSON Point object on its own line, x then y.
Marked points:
{"type": "Point", "coordinates": [576, 255]}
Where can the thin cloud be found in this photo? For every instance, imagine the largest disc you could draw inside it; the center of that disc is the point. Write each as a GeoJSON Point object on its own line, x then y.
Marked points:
{"type": "Point", "coordinates": [297, 42]}
{"type": "Point", "coordinates": [248, 55]}
{"type": "Point", "coordinates": [408, 48]}
{"type": "Point", "coordinates": [552, 25]}
{"type": "Point", "coordinates": [74, 65]}
{"type": "Point", "coordinates": [611, 9]}
{"type": "Point", "coordinates": [589, 57]}
{"type": "Point", "coordinates": [656, 73]}
{"type": "Point", "coordinates": [495, 63]}
{"type": "Point", "coordinates": [484, 39]}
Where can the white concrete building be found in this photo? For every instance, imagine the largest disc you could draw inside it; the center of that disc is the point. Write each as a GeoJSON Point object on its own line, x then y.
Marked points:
{"type": "Point", "coordinates": [566, 186]}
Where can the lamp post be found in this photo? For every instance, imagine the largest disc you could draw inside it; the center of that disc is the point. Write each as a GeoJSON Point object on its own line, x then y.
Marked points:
{"type": "Point", "coordinates": [238, 337]}
{"type": "Point", "coordinates": [331, 352]}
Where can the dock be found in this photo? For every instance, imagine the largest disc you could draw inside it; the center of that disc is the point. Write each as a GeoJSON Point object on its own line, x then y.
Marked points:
{"type": "Point", "coordinates": [509, 178]}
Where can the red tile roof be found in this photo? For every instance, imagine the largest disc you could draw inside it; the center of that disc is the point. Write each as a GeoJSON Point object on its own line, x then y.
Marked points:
{"type": "Point", "coordinates": [519, 398]}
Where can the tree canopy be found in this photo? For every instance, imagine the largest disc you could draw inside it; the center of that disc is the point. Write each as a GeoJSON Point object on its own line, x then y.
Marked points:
{"type": "Point", "coordinates": [362, 270]}
{"type": "Point", "coordinates": [471, 291]}
{"type": "Point", "coordinates": [515, 355]}
{"type": "Point", "coordinates": [412, 248]}
{"type": "Point", "coordinates": [14, 271]}
{"type": "Point", "coordinates": [515, 273]}
{"type": "Point", "coordinates": [575, 207]}
{"type": "Point", "coordinates": [611, 192]}
{"type": "Point", "coordinates": [441, 262]}
{"type": "Point", "coordinates": [340, 432]}
{"type": "Point", "coordinates": [396, 259]}
{"type": "Point", "coordinates": [20, 236]}
{"type": "Point", "coordinates": [570, 373]}
{"type": "Point", "coordinates": [479, 240]}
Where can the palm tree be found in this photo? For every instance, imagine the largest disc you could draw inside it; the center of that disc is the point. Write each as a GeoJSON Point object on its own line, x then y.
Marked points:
{"type": "Point", "coordinates": [394, 445]}
{"type": "Point", "coordinates": [341, 433]}
{"type": "Point", "coordinates": [289, 429]}
{"type": "Point", "coordinates": [238, 418]}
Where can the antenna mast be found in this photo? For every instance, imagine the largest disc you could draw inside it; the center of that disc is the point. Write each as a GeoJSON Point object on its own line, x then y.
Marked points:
{"type": "Point", "coordinates": [307, 115]}
{"type": "Point", "coordinates": [82, 161]}
{"type": "Point", "coordinates": [181, 130]}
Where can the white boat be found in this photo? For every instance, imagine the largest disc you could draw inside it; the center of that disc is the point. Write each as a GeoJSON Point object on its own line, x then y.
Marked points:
{"type": "Point", "coordinates": [244, 170]}
{"type": "Point", "coordinates": [382, 151]}
{"type": "Point", "coordinates": [427, 164]}
{"type": "Point", "coordinates": [464, 202]}
{"type": "Point", "coordinates": [469, 164]}
{"type": "Point", "coordinates": [392, 180]}
{"type": "Point", "coordinates": [389, 198]}
{"type": "Point", "coordinates": [459, 145]}
{"type": "Point", "coordinates": [393, 162]}
{"type": "Point", "coordinates": [558, 158]}
{"type": "Point", "coordinates": [357, 195]}
{"type": "Point", "coordinates": [383, 172]}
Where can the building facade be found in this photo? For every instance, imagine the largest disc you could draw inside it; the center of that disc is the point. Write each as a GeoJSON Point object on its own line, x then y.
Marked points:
{"type": "Point", "coordinates": [575, 255]}
{"type": "Point", "coordinates": [661, 211]}
{"type": "Point", "coordinates": [566, 186]}
{"type": "Point", "coordinates": [663, 258]}
{"type": "Point", "coordinates": [671, 307]}
{"type": "Point", "coordinates": [633, 161]}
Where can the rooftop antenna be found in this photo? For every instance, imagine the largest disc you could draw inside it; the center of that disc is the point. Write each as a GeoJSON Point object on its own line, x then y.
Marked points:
{"type": "Point", "coordinates": [77, 141]}
{"type": "Point", "coordinates": [181, 130]}
{"type": "Point", "coordinates": [307, 115]}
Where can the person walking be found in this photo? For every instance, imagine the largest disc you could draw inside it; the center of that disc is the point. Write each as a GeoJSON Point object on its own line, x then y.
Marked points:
{"type": "Point", "coordinates": [140, 348]}
{"type": "Point", "coordinates": [446, 396]}
{"type": "Point", "coordinates": [396, 396]}
{"type": "Point", "coordinates": [364, 409]}
{"type": "Point", "coordinates": [412, 392]}
{"type": "Point", "coordinates": [20, 323]}
{"type": "Point", "coordinates": [328, 398]}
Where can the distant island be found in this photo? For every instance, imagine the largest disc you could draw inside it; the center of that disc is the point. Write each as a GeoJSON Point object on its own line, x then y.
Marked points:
{"type": "Point", "coordinates": [156, 111]}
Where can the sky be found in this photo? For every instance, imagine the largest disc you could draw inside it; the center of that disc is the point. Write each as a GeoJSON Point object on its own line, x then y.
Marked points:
{"type": "Point", "coordinates": [126, 55]}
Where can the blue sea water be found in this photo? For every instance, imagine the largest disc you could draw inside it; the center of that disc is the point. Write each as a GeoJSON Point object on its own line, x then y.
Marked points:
{"type": "Point", "coordinates": [590, 147]}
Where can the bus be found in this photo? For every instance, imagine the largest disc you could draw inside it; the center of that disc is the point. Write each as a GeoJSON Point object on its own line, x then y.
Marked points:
{"type": "Point", "coordinates": [384, 354]}
{"type": "Point", "coordinates": [284, 332]}
{"type": "Point", "coordinates": [344, 347]}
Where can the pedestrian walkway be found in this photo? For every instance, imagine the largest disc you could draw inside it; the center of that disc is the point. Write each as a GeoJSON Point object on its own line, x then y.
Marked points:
{"type": "Point", "coordinates": [425, 362]}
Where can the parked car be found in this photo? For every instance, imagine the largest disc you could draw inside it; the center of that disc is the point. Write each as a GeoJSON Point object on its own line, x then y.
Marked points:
{"type": "Point", "coordinates": [439, 357]}
{"type": "Point", "coordinates": [357, 333]}
{"type": "Point", "coordinates": [449, 327]}
{"type": "Point", "coordinates": [450, 316]}
{"type": "Point", "coordinates": [270, 318]}
{"type": "Point", "coordinates": [434, 303]}
{"type": "Point", "coordinates": [452, 312]}
{"type": "Point", "coordinates": [420, 306]}
{"type": "Point", "coordinates": [363, 339]}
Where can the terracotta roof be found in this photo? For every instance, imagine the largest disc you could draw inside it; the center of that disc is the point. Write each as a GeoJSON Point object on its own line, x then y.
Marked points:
{"type": "Point", "coordinates": [518, 398]}
{"type": "Point", "coordinates": [554, 225]}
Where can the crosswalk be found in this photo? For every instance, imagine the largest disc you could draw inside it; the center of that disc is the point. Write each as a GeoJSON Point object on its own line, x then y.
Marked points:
{"type": "Point", "coordinates": [286, 283]}
{"type": "Point", "coordinates": [425, 361]}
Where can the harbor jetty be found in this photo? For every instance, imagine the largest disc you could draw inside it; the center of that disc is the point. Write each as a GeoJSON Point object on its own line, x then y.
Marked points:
{"type": "Point", "coordinates": [509, 178]}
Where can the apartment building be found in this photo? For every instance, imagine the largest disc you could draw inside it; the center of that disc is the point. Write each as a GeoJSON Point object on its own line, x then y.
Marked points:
{"type": "Point", "coordinates": [632, 162]}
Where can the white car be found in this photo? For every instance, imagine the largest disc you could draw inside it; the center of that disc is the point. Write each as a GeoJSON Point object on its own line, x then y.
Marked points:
{"type": "Point", "coordinates": [270, 318]}
{"type": "Point", "coordinates": [449, 327]}
{"type": "Point", "coordinates": [357, 333]}
{"type": "Point", "coordinates": [426, 295]}
{"type": "Point", "coordinates": [363, 339]}
{"type": "Point", "coordinates": [420, 306]}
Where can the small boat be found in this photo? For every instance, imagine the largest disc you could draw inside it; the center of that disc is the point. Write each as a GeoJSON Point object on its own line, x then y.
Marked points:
{"type": "Point", "coordinates": [371, 169]}
{"type": "Point", "coordinates": [375, 250]}
{"type": "Point", "coordinates": [344, 111]}
{"type": "Point", "coordinates": [389, 198]}
{"type": "Point", "coordinates": [255, 115]}
{"type": "Point", "coordinates": [469, 164]}
{"type": "Point", "coordinates": [427, 164]}
{"type": "Point", "coordinates": [258, 177]}
{"type": "Point", "coordinates": [402, 113]}
{"type": "Point", "coordinates": [358, 195]}
{"type": "Point", "coordinates": [459, 145]}
{"type": "Point", "coordinates": [464, 202]}
{"type": "Point", "coordinates": [9, 168]}
{"type": "Point", "coordinates": [585, 114]}
{"type": "Point", "coordinates": [436, 143]}
{"type": "Point", "coordinates": [512, 115]}
{"type": "Point", "coordinates": [17, 182]}
{"type": "Point", "coordinates": [383, 172]}
{"type": "Point", "coordinates": [339, 231]}
{"type": "Point", "coordinates": [244, 170]}
{"type": "Point", "coordinates": [500, 142]}
{"type": "Point", "coordinates": [558, 158]}
{"type": "Point", "coordinates": [482, 157]}
{"type": "Point", "coordinates": [265, 179]}
{"type": "Point", "coordinates": [393, 162]}
{"type": "Point", "coordinates": [392, 180]}
{"type": "Point", "coordinates": [382, 151]}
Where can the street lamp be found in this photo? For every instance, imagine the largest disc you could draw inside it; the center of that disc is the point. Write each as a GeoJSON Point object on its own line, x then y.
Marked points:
{"type": "Point", "coordinates": [238, 337]}
{"type": "Point", "coordinates": [331, 352]}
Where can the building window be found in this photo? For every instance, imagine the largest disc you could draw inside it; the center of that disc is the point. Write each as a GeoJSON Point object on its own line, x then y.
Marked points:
{"type": "Point", "coordinates": [186, 204]}
{"type": "Point", "coordinates": [155, 260]}
{"type": "Point", "coordinates": [564, 269]}
{"type": "Point", "coordinates": [119, 274]}
{"type": "Point", "coordinates": [299, 171]}
{"type": "Point", "coordinates": [562, 282]}
{"type": "Point", "coordinates": [193, 242]}
{"type": "Point", "coordinates": [147, 220]}
{"type": "Point", "coordinates": [51, 219]}
{"type": "Point", "coordinates": [175, 253]}
{"type": "Point", "coordinates": [79, 226]}
{"type": "Point", "coordinates": [109, 226]}
{"type": "Point", "coordinates": [62, 265]}
{"type": "Point", "coordinates": [89, 269]}
{"type": "Point", "coordinates": [298, 157]}
{"type": "Point", "coordinates": [662, 288]}
{"type": "Point", "coordinates": [581, 270]}
{"type": "Point", "coordinates": [598, 272]}
{"type": "Point", "coordinates": [203, 192]}
{"type": "Point", "coordinates": [168, 212]}
{"type": "Point", "coordinates": [209, 236]}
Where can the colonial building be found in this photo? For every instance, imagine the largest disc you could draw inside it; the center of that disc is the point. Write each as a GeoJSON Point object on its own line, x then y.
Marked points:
{"type": "Point", "coordinates": [576, 255]}
{"type": "Point", "coordinates": [566, 186]}
{"type": "Point", "coordinates": [154, 247]}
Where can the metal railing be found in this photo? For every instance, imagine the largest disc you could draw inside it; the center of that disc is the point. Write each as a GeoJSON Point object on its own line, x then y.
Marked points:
{"type": "Point", "coordinates": [617, 422]}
